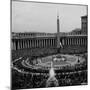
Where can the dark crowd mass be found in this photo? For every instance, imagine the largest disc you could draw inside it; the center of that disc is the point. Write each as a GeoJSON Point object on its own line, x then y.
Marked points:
{"type": "Point", "coordinates": [23, 77]}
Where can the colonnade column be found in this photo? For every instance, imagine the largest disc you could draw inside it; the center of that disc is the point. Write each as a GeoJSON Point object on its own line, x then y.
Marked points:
{"type": "Point", "coordinates": [62, 41]}
{"type": "Point", "coordinates": [51, 42]}
{"type": "Point", "coordinates": [21, 44]}
{"type": "Point", "coordinates": [34, 45]}
{"type": "Point", "coordinates": [18, 45]}
{"type": "Point", "coordinates": [37, 43]}
{"type": "Point", "coordinates": [28, 43]}
{"type": "Point", "coordinates": [14, 45]}
{"type": "Point", "coordinates": [43, 42]}
{"type": "Point", "coordinates": [76, 41]}
{"type": "Point", "coordinates": [70, 42]}
{"type": "Point", "coordinates": [79, 41]}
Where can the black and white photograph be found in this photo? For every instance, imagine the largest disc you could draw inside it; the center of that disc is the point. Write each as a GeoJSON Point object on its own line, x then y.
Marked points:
{"type": "Point", "coordinates": [49, 44]}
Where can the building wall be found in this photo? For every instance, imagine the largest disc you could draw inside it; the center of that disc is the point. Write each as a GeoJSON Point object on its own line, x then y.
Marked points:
{"type": "Point", "coordinates": [84, 24]}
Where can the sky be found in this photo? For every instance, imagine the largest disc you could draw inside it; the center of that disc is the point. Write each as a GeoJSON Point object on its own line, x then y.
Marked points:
{"type": "Point", "coordinates": [42, 17]}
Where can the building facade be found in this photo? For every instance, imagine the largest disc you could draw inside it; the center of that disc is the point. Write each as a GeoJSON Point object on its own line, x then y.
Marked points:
{"type": "Point", "coordinates": [84, 25]}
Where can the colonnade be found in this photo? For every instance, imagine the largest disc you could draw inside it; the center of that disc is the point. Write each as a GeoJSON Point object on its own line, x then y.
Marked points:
{"type": "Point", "coordinates": [48, 42]}
{"type": "Point", "coordinates": [33, 43]}
{"type": "Point", "coordinates": [72, 41]}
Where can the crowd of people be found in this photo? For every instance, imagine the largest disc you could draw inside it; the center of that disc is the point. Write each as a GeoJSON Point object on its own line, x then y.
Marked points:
{"type": "Point", "coordinates": [36, 78]}
{"type": "Point", "coordinates": [72, 78]}
{"type": "Point", "coordinates": [40, 52]}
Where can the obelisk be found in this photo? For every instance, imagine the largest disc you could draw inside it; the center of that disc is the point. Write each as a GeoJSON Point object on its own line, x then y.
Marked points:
{"type": "Point", "coordinates": [58, 34]}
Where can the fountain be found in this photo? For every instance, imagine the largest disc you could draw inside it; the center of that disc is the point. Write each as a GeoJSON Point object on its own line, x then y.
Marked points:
{"type": "Point", "coordinates": [52, 81]}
